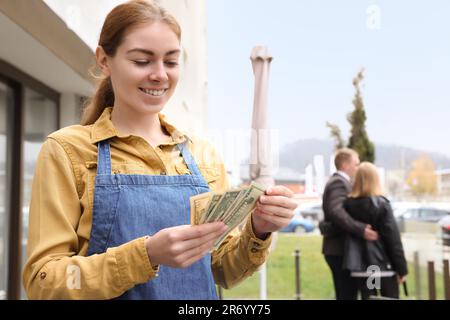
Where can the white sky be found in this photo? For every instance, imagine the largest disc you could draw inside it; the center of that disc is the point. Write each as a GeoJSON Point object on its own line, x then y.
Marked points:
{"type": "Point", "coordinates": [318, 47]}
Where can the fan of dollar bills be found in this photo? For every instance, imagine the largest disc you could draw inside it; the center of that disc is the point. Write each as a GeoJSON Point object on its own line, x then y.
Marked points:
{"type": "Point", "coordinates": [231, 207]}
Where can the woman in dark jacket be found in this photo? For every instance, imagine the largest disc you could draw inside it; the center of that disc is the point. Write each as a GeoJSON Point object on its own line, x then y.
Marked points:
{"type": "Point", "coordinates": [379, 264]}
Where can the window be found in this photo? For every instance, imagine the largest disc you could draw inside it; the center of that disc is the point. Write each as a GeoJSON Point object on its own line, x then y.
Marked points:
{"type": "Point", "coordinates": [41, 119]}
{"type": "Point", "coordinates": [29, 111]}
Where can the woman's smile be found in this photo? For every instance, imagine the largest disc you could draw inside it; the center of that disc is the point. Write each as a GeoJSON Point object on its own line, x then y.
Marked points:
{"type": "Point", "coordinates": [153, 92]}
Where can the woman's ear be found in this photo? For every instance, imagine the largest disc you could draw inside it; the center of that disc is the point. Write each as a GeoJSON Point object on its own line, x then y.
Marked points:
{"type": "Point", "coordinates": [102, 61]}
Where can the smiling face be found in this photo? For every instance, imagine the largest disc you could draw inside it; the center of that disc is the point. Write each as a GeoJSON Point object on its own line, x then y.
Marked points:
{"type": "Point", "coordinates": [144, 71]}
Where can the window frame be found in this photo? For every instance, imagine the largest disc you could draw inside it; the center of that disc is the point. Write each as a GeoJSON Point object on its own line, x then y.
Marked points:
{"type": "Point", "coordinates": [18, 81]}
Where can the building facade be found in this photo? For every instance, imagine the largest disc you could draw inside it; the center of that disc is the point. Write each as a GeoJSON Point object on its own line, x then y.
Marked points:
{"type": "Point", "coordinates": [443, 182]}
{"type": "Point", "coordinates": [47, 50]}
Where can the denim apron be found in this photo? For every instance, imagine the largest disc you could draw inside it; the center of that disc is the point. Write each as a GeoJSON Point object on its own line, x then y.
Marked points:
{"type": "Point", "coordinates": [127, 207]}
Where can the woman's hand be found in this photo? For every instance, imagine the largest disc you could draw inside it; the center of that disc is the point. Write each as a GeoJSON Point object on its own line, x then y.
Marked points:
{"type": "Point", "coordinates": [181, 246]}
{"type": "Point", "coordinates": [274, 210]}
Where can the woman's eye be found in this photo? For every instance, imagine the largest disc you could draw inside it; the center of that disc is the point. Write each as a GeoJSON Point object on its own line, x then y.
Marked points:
{"type": "Point", "coordinates": [171, 63]}
{"type": "Point", "coordinates": [141, 62]}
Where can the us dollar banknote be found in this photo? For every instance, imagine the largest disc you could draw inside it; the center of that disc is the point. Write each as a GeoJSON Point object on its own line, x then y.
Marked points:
{"type": "Point", "coordinates": [231, 207]}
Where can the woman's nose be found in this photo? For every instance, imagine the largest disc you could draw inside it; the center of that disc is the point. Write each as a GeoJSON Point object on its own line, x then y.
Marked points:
{"type": "Point", "coordinates": [158, 72]}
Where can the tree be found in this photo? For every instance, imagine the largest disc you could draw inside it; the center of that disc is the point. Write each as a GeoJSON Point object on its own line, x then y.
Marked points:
{"type": "Point", "coordinates": [422, 178]}
{"type": "Point", "coordinates": [359, 140]}
{"type": "Point", "coordinates": [335, 133]}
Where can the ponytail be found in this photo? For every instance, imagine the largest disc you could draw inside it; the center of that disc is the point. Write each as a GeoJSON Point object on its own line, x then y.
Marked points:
{"type": "Point", "coordinates": [103, 98]}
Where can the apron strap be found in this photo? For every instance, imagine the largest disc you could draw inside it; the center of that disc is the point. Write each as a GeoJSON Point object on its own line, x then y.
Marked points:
{"type": "Point", "coordinates": [103, 158]}
{"type": "Point", "coordinates": [190, 162]}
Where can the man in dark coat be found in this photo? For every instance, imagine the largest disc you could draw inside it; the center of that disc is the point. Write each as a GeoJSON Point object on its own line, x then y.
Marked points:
{"type": "Point", "coordinates": [337, 223]}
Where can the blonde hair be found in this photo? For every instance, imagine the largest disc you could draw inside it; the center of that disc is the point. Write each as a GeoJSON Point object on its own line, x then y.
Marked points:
{"type": "Point", "coordinates": [342, 156]}
{"type": "Point", "coordinates": [367, 182]}
{"type": "Point", "coordinates": [120, 20]}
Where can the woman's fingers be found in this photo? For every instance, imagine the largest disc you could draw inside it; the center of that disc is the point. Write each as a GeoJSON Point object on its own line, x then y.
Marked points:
{"type": "Point", "coordinates": [195, 254]}
{"type": "Point", "coordinates": [279, 191]}
{"type": "Point", "coordinates": [197, 242]}
{"type": "Point", "coordinates": [269, 217]}
{"type": "Point", "coordinates": [280, 201]}
{"type": "Point", "coordinates": [170, 246]}
{"type": "Point", "coordinates": [278, 211]}
{"type": "Point", "coordinates": [188, 232]}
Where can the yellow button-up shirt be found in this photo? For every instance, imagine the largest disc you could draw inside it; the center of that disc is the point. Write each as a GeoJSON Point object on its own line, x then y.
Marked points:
{"type": "Point", "coordinates": [61, 214]}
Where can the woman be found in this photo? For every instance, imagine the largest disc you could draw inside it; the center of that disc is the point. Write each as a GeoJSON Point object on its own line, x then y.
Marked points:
{"type": "Point", "coordinates": [366, 260]}
{"type": "Point", "coordinates": [109, 215]}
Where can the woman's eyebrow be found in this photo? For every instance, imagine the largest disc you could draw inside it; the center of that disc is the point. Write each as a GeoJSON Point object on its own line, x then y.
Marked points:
{"type": "Point", "coordinates": [151, 53]}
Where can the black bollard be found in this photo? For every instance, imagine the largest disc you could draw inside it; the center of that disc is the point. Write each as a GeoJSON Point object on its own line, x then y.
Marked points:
{"type": "Point", "coordinates": [446, 280]}
{"type": "Point", "coordinates": [297, 274]}
{"type": "Point", "coordinates": [431, 281]}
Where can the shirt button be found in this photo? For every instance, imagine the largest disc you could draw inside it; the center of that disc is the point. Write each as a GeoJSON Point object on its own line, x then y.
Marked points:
{"type": "Point", "coordinates": [43, 275]}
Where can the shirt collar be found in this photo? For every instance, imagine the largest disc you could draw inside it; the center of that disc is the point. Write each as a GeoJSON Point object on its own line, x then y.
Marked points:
{"type": "Point", "coordinates": [104, 129]}
{"type": "Point", "coordinates": [343, 174]}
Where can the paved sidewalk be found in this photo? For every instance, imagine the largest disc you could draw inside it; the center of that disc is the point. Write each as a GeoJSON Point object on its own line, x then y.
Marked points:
{"type": "Point", "coordinates": [429, 246]}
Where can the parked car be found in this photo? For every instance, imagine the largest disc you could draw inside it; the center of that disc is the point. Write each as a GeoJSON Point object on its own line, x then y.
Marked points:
{"type": "Point", "coordinates": [420, 214]}
{"type": "Point", "coordinates": [425, 214]}
{"type": "Point", "coordinates": [399, 207]}
{"type": "Point", "coordinates": [444, 223]}
{"type": "Point", "coordinates": [299, 224]}
{"type": "Point", "coordinates": [314, 212]}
